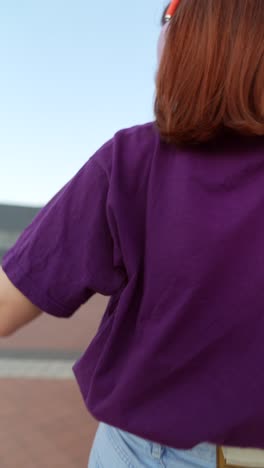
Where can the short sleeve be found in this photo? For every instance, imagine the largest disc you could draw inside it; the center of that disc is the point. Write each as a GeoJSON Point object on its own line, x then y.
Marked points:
{"type": "Point", "coordinates": [66, 254]}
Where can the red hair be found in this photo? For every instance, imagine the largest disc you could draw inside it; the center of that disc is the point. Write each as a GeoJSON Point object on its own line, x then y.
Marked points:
{"type": "Point", "coordinates": [211, 75]}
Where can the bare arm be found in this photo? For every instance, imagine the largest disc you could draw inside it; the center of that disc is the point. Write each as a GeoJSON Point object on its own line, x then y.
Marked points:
{"type": "Point", "coordinates": [15, 309]}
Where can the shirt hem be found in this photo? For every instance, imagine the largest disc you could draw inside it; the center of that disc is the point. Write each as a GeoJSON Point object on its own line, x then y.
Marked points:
{"type": "Point", "coordinates": [27, 286]}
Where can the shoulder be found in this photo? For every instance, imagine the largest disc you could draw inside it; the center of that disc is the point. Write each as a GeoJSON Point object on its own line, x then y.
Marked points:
{"type": "Point", "coordinates": [128, 147]}
{"type": "Point", "coordinates": [136, 133]}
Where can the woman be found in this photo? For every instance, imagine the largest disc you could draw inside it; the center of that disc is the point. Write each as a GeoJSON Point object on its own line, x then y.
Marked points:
{"type": "Point", "coordinates": [167, 219]}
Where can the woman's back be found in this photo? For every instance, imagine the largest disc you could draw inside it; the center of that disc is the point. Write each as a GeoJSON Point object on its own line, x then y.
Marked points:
{"type": "Point", "coordinates": [188, 225]}
{"type": "Point", "coordinates": [167, 219]}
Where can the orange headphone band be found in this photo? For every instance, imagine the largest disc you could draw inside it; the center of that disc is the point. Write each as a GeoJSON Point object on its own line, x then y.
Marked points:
{"type": "Point", "coordinates": [171, 10]}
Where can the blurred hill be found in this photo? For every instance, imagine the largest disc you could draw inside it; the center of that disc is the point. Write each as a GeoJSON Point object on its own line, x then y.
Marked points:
{"type": "Point", "coordinates": [13, 220]}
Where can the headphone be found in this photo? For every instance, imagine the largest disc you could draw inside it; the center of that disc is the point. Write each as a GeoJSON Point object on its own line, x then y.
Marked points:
{"type": "Point", "coordinates": [168, 15]}
{"type": "Point", "coordinates": [171, 10]}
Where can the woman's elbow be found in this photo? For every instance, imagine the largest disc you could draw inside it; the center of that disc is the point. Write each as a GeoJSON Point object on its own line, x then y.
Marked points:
{"type": "Point", "coordinates": [8, 321]}
{"type": "Point", "coordinates": [5, 332]}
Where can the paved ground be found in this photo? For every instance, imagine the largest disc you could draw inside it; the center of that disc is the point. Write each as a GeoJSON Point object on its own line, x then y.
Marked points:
{"type": "Point", "coordinates": [37, 369]}
{"type": "Point", "coordinates": [44, 423]}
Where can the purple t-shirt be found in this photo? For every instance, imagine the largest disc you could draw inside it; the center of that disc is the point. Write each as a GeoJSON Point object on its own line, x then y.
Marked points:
{"type": "Point", "coordinates": [176, 238]}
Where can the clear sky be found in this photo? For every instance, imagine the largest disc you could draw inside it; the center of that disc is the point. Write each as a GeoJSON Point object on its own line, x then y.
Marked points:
{"type": "Point", "coordinates": [71, 74]}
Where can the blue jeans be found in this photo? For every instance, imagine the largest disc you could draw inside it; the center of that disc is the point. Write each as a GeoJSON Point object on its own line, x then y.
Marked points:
{"type": "Point", "coordinates": [113, 448]}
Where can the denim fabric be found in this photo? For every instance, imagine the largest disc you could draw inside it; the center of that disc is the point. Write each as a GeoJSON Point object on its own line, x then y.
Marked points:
{"type": "Point", "coordinates": [113, 448]}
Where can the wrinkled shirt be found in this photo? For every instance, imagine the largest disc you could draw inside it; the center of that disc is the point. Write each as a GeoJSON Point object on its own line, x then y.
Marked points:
{"type": "Point", "coordinates": [176, 237]}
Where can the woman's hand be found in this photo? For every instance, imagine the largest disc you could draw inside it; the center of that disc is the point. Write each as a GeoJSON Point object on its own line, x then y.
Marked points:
{"type": "Point", "coordinates": [15, 309]}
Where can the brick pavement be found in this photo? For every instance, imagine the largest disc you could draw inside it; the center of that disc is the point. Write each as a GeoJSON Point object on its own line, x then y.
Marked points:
{"type": "Point", "coordinates": [44, 423]}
